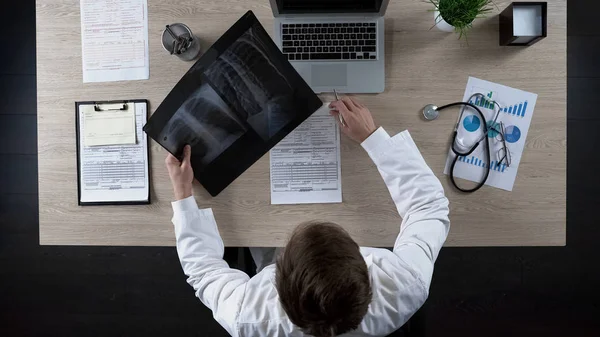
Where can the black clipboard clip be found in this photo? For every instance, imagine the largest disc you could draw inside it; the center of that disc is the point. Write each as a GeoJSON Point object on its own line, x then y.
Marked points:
{"type": "Point", "coordinates": [97, 107]}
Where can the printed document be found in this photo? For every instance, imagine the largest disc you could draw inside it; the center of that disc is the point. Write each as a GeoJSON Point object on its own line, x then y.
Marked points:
{"type": "Point", "coordinates": [115, 172]}
{"type": "Point", "coordinates": [502, 106]}
{"type": "Point", "coordinates": [110, 127]}
{"type": "Point", "coordinates": [305, 165]}
{"type": "Point", "coordinates": [114, 40]}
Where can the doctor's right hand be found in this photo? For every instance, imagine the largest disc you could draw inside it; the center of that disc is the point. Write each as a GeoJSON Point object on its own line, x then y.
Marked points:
{"type": "Point", "coordinates": [181, 173]}
{"type": "Point", "coordinates": [358, 121]}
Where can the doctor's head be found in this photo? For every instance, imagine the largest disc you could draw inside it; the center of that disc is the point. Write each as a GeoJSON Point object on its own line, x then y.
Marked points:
{"type": "Point", "coordinates": [323, 281]}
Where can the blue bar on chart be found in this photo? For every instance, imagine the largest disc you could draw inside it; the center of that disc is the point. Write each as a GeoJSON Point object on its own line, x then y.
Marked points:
{"type": "Point", "coordinates": [521, 111]}
{"type": "Point", "coordinates": [496, 167]}
{"type": "Point", "coordinates": [484, 102]}
{"type": "Point", "coordinates": [478, 162]}
{"type": "Point", "coordinates": [517, 109]}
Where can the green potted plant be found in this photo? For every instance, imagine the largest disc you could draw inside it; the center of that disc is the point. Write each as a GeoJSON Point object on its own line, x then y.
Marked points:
{"type": "Point", "coordinates": [458, 15]}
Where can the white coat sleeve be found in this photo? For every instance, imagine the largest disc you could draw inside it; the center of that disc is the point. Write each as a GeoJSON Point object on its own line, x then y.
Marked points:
{"type": "Point", "coordinates": [419, 198]}
{"type": "Point", "coordinates": [200, 251]}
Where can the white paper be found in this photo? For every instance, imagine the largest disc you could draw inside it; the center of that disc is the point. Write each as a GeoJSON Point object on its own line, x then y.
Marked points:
{"type": "Point", "coordinates": [305, 165]}
{"type": "Point", "coordinates": [115, 172]}
{"type": "Point", "coordinates": [114, 40]}
{"type": "Point", "coordinates": [516, 113]}
{"type": "Point", "coordinates": [527, 20]}
{"type": "Point", "coordinates": [108, 127]}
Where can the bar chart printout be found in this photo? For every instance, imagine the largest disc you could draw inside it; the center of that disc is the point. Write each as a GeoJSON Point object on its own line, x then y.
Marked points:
{"type": "Point", "coordinates": [516, 109]}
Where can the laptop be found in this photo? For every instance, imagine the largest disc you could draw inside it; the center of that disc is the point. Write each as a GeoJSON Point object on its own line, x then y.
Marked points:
{"type": "Point", "coordinates": [334, 44]}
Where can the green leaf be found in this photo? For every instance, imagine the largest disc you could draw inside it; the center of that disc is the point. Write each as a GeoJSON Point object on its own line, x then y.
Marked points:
{"type": "Point", "coordinates": [461, 13]}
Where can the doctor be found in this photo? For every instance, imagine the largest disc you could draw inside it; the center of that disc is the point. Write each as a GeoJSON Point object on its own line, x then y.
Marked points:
{"type": "Point", "coordinates": [323, 284]}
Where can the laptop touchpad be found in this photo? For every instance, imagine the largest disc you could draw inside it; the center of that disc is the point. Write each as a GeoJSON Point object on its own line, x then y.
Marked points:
{"type": "Point", "coordinates": [332, 75]}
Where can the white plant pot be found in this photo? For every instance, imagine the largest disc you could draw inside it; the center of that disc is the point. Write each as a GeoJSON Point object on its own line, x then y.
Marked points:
{"type": "Point", "coordinates": [441, 24]}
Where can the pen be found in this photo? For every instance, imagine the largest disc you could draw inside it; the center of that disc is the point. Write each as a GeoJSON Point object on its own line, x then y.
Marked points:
{"type": "Point", "coordinates": [339, 114]}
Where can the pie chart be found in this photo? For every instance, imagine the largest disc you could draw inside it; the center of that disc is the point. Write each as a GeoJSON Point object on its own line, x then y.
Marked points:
{"type": "Point", "coordinates": [512, 134]}
{"type": "Point", "coordinates": [471, 123]}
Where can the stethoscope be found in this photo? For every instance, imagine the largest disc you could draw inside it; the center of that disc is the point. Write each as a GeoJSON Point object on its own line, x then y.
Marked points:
{"type": "Point", "coordinates": [431, 112]}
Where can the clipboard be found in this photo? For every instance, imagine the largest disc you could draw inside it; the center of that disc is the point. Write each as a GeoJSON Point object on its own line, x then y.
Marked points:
{"type": "Point", "coordinates": [113, 174]}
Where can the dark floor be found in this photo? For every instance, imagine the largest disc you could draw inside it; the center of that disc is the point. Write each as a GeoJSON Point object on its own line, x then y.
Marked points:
{"type": "Point", "coordinates": [115, 291]}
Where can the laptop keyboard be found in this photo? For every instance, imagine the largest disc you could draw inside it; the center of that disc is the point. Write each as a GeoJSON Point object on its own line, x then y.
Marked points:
{"type": "Point", "coordinates": [329, 41]}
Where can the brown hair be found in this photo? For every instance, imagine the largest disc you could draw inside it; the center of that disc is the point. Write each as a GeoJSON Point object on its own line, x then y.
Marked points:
{"type": "Point", "coordinates": [322, 280]}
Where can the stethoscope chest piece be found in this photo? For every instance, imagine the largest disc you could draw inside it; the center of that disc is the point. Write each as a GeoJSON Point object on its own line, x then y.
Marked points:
{"type": "Point", "coordinates": [430, 112]}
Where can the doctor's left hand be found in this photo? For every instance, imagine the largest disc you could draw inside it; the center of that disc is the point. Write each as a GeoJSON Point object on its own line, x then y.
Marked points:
{"type": "Point", "coordinates": [181, 173]}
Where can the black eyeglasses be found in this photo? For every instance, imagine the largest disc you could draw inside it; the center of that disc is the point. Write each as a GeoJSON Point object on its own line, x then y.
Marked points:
{"type": "Point", "coordinates": [503, 155]}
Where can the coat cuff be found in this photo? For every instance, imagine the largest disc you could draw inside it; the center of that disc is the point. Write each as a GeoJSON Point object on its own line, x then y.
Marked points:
{"type": "Point", "coordinates": [379, 143]}
{"type": "Point", "coordinates": [375, 140]}
{"type": "Point", "coordinates": [184, 205]}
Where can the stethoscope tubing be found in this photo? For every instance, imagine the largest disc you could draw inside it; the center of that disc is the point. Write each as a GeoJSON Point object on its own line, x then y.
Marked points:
{"type": "Point", "coordinates": [464, 154]}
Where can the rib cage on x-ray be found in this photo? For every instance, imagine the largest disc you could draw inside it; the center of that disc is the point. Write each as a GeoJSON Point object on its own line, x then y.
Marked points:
{"type": "Point", "coordinates": [242, 90]}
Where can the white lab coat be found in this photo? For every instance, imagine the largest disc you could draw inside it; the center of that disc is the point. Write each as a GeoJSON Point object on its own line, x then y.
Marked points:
{"type": "Point", "coordinates": [400, 279]}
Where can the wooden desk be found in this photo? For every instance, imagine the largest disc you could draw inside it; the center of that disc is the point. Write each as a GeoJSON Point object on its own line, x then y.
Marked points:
{"type": "Point", "coordinates": [422, 66]}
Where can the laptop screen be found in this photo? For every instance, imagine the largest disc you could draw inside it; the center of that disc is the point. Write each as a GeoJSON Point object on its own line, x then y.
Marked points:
{"type": "Point", "coordinates": [328, 6]}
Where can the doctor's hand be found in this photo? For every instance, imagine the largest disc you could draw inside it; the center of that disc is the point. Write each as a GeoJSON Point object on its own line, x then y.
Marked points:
{"type": "Point", "coordinates": [358, 121]}
{"type": "Point", "coordinates": [181, 173]}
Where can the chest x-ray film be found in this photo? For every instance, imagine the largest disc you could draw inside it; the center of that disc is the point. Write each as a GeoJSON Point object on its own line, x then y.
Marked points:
{"type": "Point", "coordinates": [239, 100]}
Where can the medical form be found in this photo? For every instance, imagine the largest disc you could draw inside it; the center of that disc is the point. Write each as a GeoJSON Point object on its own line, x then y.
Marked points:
{"type": "Point", "coordinates": [305, 165]}
{"type": "Point", "coordinates": [114, 40]}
